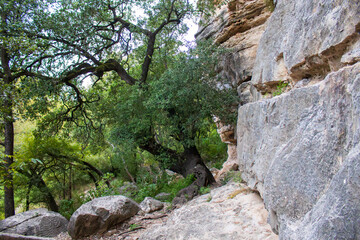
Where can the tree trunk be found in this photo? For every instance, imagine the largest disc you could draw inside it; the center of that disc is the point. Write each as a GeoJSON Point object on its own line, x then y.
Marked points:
{"type": "Point", "coordinates": [92, 168]}
{"type": "Point", "coordinates": [9, 134]}
{"type": "Point", "coordinates": [9, 159]}
{"type": "Point", "coordinates": [70, 184]}
{"type": "Point", "coordinates": [27, 206]}
{"type": "Point", "coordinates": [189, 162]}
{"type": "Point", "coordinates": [49, 198]}
{"type": "Point", "coordinates": [194, 165]}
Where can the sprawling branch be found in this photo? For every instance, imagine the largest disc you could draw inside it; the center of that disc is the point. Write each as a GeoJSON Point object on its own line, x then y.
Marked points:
{"type": "Point", "coordinates": [157, 149]}
{"type": "Point", "coordinates": [81, 50]}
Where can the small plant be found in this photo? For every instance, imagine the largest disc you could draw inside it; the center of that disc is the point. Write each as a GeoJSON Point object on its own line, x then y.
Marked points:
{"type": "Point", "coordinates": [235, 193]}
{"type": "Point", "coordinates": [234, 176]}
{"type": "Point", "coordinates": [134, 226]}
{"type": "Point", "coordinates": [280, 88]}
{"type": "Point", "coordinates": [101, 190]}
{"type": "Point", "coordinates": [209, 198]}
{"type": "Point", "coordinates": [204, 190]}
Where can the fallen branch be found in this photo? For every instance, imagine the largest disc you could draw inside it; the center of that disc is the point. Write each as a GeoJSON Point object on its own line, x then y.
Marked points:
{"type": "Point", "coordinates": [132, 230]}
{"type": "Point", "coordinates": [154, 217]}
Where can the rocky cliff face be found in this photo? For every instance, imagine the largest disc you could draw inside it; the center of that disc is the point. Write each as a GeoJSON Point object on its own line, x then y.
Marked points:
{"type": "Point", "coordinates": [301, 149]}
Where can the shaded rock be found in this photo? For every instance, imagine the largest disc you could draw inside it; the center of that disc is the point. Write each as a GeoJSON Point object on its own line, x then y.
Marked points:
{"type": "Point", "coordinates": [299, 149]}
{"type": "Point", "coordinates": [247, 93]}
{"type": "Point", "coordinates": [11, 236]}
{"type": "Point", "coordinates": [353, 55]}
{"type": "Point", "coordinates": [163, 196]}
{"type": "Point", "coordinates": [228, 212]}
{"type": "Point", "coordinates": [186, 194]}
{"type": "Point", "coordinates": [239, 26]}
{"type": "Point", "coordinates": [231, 163]}
{"type": "Point", "coordinates": [149, 205]}
{"type": "Point", "coordinates": [128, 189]}
{"type": "Point", "coordinates": [212, 27]}
{"type": "Point", "coordinates": [100, 214]}
{"type": "Point", "coordinates": [37, 222]}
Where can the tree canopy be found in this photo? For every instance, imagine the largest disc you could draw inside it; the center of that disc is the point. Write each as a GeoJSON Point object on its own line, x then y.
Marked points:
{"type": "Point", "coordinates": [107, 74]}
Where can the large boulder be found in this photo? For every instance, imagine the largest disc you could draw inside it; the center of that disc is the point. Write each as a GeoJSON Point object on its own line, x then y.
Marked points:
{"type": "Point", "coordinates": [228, 212]}
{"type": "Point", "coordinates": [100, 214]}
{"type": "Point", "coordinates": [37, 222]}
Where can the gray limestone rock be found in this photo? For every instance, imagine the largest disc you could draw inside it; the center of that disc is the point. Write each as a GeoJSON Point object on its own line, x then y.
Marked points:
{"type": "Point", "coordinates": [229, 212]}
{"type": "Point", "coordinates": [37, 222]}
{"type": "Point", "coordinates": [100, 214]}
{"type": "Point", "coordinates": [11, 236]}
{"type": "Point", "coordinates": [163, 196]}
{"type": "Point", "coordinates": [301, 151]}
{"type": "Point", "coordinates": [149, 205]}
{"type": "Point", "coordinates": [305, 39]}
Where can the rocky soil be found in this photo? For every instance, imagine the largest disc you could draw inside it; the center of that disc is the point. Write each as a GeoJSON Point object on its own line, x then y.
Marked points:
{"type": "Point", "coordinates": [232, 211]}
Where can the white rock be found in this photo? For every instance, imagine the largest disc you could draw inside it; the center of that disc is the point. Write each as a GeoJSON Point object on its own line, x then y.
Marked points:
{"type": "Point", "coordinates": [149, 205]}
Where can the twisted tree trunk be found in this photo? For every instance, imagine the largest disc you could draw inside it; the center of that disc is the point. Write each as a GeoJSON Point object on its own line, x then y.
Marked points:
{"type": "Point", "coordinates": [186, 163]}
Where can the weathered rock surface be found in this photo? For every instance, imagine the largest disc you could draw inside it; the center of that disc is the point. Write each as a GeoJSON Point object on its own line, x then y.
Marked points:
{"type": "Point", "coordinates": [231, 163]}
{"type": "Point", "coordinates": [306, 39]}
{"type": "Point", "coordinates": [163, 196]}
{"type": "Point", "coordinates": [239, 26]}
{"type": "Point", "coordinates": [100, 214]}
{"type": "Point", "coordinates": [228, 212]}
{"type": "Point", "coordinates": [301, 151]}
{"type": "Point", "coordinates": [37, 222]}
{"type": "Point", "coordinates": [149, 205]}
{"type": "Point", "coordinates": [11, 236]}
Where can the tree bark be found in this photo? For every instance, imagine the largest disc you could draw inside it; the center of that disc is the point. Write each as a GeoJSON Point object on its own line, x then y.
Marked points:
{"type": "Point", "coordinates": [194, 165]}
{"type": "Point", "coordinates": [9, 159]}
{"type": "Point", "coordinates": [27, 206]}
{"type": "Point", "coordinates": [49, 198]}
{"type": "Point", "coordinates": [9, 134]}
{"type": "Point", "coordinates": [189, 162]}
{"type": "Point", "coordinates": [35, 179]}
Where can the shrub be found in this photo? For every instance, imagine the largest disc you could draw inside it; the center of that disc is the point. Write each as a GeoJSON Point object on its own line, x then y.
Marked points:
{"type": "Point", "coordinates": [204, 190]}
{"type": "Point", "coordinates": [67, 208]}
{"type": "Point", "coordinates": [234, 176]}
{"type": "Point", "coordinates": [280, 88]}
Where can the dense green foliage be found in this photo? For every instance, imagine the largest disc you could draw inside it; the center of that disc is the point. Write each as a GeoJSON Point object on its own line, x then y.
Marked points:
{"type": "Point", "coordinates": [113, 99]}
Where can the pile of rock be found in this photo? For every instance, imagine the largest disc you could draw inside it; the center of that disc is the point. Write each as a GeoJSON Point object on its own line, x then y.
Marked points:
{"type": "Point", "coordinates": [94, 217]}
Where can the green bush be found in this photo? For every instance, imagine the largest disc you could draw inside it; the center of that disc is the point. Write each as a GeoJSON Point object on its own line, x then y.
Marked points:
{"type": "Point", "coordinates": [101, 190]}
{"type": "Point", "coordinates": [213, 151]}
{"type": "Point", "coordinates": [204, 190]}
{"type": "Point", "coordinates": [165, 184]}
{"type": "Point", "coordinates": [67, 208]}
{"type": "Point", "coordinates": [280, 88]}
